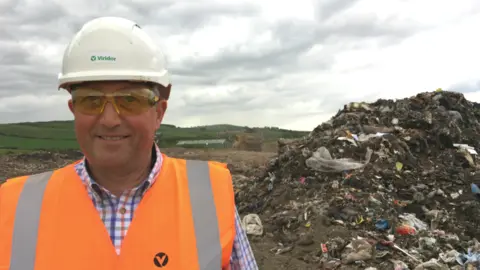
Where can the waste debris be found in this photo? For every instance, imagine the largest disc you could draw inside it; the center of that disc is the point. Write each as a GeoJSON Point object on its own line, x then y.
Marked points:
{"type": "Point", "coordinates": [252, 224]}
{"type": "Point", "coordinates": [391, 184]}
{"type": "Point", "coordinates": [13, 165]}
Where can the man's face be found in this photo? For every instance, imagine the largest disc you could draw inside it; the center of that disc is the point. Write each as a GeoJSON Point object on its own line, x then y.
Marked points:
{"type": "Point", "coordinates": [110, 139]}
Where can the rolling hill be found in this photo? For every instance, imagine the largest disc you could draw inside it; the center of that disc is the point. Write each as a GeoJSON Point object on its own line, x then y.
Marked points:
{"type": "Point", "coordinates": [60, 135]}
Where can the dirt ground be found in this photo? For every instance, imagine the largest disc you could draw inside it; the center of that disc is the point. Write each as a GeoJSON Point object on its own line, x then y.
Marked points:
{"type": "Point", "coordinates": [243, 165]}
{"type": "Point", "coordinates": [240, 162]}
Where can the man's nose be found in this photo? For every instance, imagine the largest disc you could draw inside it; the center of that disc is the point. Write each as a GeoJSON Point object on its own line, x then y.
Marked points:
{"type": "Point", "coordinates": [110, 117]}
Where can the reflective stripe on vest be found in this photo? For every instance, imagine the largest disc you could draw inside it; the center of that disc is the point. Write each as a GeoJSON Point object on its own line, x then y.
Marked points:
{"type": "Point", "coordinates": [27, 217]}
{"type": "Point", "coordinates": [204, 214]}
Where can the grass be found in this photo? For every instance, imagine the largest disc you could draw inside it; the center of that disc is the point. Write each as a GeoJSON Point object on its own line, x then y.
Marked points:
{"type": "Point", "coordinates": [12, 151]}
{"type": "Point", "coordinates": [57, 135]}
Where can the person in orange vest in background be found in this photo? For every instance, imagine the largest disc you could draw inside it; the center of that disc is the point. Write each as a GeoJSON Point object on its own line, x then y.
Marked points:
{"type": "Point", "coordinates": [125, 205]}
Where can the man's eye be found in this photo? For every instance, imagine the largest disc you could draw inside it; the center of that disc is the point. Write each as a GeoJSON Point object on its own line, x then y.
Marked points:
{"type": "Point", "coordinates": [130, 99]}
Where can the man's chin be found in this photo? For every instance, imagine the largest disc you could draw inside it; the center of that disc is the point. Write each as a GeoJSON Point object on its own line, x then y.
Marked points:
{"type": "Point", "coordinates": [110, 159]}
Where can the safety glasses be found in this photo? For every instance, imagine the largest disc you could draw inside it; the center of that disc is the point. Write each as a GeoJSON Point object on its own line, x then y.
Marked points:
{"type": "Point", "coordinates": [126, 101]}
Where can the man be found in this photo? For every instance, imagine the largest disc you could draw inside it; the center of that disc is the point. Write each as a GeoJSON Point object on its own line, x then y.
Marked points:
{"type": "Point", "coordinates": [125, 205]}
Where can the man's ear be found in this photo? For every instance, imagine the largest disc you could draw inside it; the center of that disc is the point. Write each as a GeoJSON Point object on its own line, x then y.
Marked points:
{"type": "Point", "coordinates": [165, 92]}
{"type": "Point", "coordinates": [70, 105]}
{"type": "Point", "coordinates": [162, 105]}
{"type": "Point", "coordinates": [160, 108]}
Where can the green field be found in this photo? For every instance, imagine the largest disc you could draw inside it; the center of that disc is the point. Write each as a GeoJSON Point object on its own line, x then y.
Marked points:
{"type": "Point", "coordinates": [60, 135]}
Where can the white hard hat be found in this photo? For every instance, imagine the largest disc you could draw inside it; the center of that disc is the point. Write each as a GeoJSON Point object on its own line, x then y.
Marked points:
{"type": "Point", "coordinates": [112, 49]}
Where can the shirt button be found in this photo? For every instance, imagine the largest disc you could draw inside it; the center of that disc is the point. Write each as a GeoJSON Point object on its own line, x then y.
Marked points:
{"type": "Point", "coordinates": [122, 210]}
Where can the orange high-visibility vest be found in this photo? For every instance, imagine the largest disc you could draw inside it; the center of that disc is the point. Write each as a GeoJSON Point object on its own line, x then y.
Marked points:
{"type": "Point", "coordinates": [185, 221]}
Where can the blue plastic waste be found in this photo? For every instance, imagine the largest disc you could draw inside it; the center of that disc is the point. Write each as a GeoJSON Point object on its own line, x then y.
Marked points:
{"type": "Point", "coordinates": [382, 225]}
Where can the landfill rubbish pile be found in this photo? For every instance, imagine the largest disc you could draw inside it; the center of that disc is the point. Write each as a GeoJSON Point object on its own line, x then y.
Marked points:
{"type": "Point", "coordinates": [386, 185]}
{"type": "Point", "coordinates": [13, 165]}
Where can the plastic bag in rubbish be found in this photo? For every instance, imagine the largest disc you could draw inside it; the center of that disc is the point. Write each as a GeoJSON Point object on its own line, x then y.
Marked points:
{"type": "Point", "coordinates": [322, 161]}
{"type": "Point", "coordinates": [252, 224]}
{"type": "Point", "coordinates": [413, 221]}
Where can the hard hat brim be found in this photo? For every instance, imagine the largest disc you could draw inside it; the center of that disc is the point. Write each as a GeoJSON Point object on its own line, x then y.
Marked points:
{"type": "Point", "coordinates": [162, 78]}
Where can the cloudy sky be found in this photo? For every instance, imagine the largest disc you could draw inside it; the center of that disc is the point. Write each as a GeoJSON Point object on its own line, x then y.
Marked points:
{"type": "Point", "coordinates": [290, 64]}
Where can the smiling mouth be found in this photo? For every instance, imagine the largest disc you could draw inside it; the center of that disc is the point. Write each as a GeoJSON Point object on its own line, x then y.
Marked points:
{"type": "Point", "coordinates": [112, 138]}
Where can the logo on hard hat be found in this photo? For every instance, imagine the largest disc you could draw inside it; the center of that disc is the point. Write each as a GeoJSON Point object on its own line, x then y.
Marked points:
{"type": "Point", "coordinates": [106, 58]}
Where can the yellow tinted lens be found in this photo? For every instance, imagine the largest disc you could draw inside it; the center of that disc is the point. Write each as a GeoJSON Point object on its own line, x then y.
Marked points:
{"type": "Point", "coordinates": [127, 101]}
{"type": "Point", "coordinates": [134, 101]}
{"type": "Point", "coordinates": [88, 101]}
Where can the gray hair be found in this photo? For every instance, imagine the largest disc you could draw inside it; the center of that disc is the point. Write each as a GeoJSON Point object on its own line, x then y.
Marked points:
{"type": "Point", "coordinates": [156, 90]}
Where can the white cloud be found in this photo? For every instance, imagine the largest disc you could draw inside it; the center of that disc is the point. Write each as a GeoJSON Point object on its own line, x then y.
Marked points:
{"type": "Point", "coordinates": [257, 63]}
